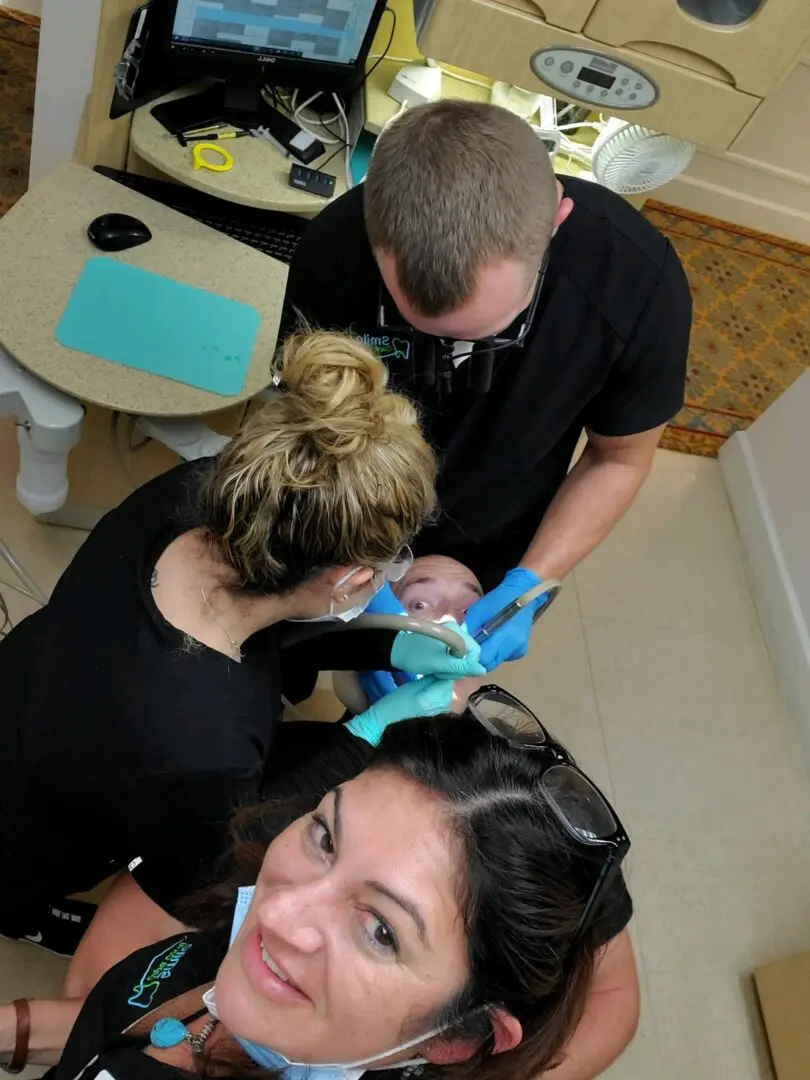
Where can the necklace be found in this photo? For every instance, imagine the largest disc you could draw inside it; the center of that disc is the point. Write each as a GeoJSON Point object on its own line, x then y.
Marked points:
{"type": "Point", "coordinates": [237, 648]}
{"type": "Point", "coordinates": [170, 1032]}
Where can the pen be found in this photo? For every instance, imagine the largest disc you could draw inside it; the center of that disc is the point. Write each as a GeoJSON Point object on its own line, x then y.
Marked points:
{"type": "Point", "coordinates": [184, 140]}
{"type": "Point", "coordinates": [188, 132]}
{"type": "Point", "coordinates": [218, 135]}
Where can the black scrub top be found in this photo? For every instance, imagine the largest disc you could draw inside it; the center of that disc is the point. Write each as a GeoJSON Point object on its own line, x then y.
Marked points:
{"type": "Point", "coordinates": [159, 973]}
{"type": "Point", "coordinates": [120, 739]}
{"type": "Point", "coordinates": [607, 352]}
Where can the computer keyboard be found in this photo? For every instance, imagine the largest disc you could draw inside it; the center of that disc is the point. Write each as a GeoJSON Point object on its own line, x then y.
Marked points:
{"type": "Point", "coordinates": [269, 231]}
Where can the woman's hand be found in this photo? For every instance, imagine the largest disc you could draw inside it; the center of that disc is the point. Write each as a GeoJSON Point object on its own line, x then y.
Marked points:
{"type": "Point", "coordinates": [419, 654]}
{"type": "Point", "coordinates": [425, 697]}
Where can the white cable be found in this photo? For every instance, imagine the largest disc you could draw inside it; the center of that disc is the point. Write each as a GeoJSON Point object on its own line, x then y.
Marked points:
{"type": "Point", "coordinates": [574, 127]}
{"type": "Point", "coordinates": [576, 151]}
{"type": "Point", "coordinates": [463, 78]}
{"type": "Point", "coordinates": [388, 56]}
{"type": "Point", "coordinates": [327, 140]}
{"type": "Point", "coordinates": [305, 105]}
{"type": "Point", "coordinates": [567, 109]}
{"type": "Point", "coordinates": [391, 119]}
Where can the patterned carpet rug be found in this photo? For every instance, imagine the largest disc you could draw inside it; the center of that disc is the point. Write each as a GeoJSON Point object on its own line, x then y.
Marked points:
{"type": "Point", "coordinates": [750, 331]}
{"type": "Point", "coordinates": [19, 39]}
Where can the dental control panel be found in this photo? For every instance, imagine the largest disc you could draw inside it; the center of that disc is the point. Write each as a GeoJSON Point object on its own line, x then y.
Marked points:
{"type": "Point", "coordinates": [594, 78]}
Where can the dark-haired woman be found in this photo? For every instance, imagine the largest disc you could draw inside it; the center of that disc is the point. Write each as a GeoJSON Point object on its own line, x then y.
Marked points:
{"type": "Point", "coordinates": [457, 907]}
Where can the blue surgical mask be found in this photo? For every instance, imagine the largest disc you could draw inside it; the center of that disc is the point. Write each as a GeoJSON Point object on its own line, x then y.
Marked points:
{"type": "Point", "coordinates": [268, 1058]}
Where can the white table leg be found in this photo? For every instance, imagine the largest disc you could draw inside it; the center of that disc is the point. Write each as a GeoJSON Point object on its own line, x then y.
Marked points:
{"type": "Point", "coordinates": [190, 438]}
{"type": "Point", "coordinates": [49, 426]}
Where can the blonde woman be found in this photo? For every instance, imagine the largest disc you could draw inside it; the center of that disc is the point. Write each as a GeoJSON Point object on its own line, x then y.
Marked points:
{"type": "Point", "coordinates": [141, 705]}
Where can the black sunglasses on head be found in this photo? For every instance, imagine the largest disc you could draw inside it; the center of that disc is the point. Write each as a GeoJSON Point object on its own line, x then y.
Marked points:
{"type": "Point", "coordinates": [574, 798]}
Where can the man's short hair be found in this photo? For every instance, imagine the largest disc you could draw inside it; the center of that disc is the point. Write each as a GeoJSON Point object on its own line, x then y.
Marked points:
{"type": "Point", "coordinates": [452, 186]}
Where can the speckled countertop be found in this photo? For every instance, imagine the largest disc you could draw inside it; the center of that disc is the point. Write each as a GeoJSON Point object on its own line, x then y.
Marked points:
{"type": "Point", "coordinates": [259, 177]}
{"type": "Point", "coordinates": [43, 248]}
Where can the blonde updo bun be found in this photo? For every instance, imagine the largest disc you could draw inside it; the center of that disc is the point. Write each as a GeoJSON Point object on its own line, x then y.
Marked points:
{"type": "Point", "coordinates": [337, 393]}
{"type": "Point", "coordinates": [332, 471]}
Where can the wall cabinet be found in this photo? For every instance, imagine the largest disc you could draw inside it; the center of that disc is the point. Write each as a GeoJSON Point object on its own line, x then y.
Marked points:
{"type": "Point", "coordinates": [712, 61]}
{"type": "Point", "coordinates": [567, 14]}
{"type": "Point", "coordinates": [500, 41]}
{"type": "Point", "coordinates": [750, 44]}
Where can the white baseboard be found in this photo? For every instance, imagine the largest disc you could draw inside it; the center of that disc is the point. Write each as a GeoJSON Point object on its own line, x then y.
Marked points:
{"type": "Point", "coordinates": [783, 622]}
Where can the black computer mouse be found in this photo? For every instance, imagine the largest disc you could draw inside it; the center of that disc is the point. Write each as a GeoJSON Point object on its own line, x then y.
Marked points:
{"type": "Point", "coordinates": [117, 232]}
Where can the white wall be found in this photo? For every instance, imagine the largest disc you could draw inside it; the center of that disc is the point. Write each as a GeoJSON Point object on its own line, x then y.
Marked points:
{"type": "Point", "coordinates": [67, 51]}
{"type": "Point", "coordinates": [767, 473]}
{"type": "Point", "coordinates": [780, 446]}
{"type": "Point", "coordinates": [763, 182]}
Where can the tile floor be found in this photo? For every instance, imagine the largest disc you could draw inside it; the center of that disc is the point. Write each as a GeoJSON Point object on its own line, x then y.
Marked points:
{"type": "Point", "coordinates": [653, 669]}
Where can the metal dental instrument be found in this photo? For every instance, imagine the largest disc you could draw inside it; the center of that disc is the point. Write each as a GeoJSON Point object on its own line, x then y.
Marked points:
{"type": "Point", "coordinates": [549, 589]}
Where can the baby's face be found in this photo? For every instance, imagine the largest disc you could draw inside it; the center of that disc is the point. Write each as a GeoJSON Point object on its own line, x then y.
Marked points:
{"type": "Point", "coordinates": [436, 587]}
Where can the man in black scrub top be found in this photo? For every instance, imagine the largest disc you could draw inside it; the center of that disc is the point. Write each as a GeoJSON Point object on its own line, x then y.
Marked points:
{"type": "Point", "coordinates": [518, 310]}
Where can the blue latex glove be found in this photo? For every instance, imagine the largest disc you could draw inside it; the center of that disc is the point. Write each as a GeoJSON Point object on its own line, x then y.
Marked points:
{"type": "Point", "coordinates": [422, 655]}
{"type": "Point", "coordinates": [385, 603]}
{"type": "Point", "coordinates": [377, 684]}
{"type": "Point", "coordinates": [425, 697]}
{"type": "Point", "coordinates": [511, 642]}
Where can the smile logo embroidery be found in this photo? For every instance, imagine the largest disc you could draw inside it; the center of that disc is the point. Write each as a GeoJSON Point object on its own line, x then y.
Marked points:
{"type": "Point", "coordinates": [386, 347]}
{"type": "Point", "coordinates": [160, 967]}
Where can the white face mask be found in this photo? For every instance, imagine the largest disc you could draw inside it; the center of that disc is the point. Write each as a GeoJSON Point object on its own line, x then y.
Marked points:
{"type": "Point", "coordinates": [268, 1058]}
{"type": "Point", "coordinates": [349, 613]}
{"type": "Point", "coordinates": [392, 571]}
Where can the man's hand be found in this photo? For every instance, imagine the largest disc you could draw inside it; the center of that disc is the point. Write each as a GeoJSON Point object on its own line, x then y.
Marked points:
{"type": "Point", "coordinates": [510, 641]}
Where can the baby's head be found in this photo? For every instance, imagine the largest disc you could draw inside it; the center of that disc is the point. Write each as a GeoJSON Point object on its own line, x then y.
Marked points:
{"type": "Point", "coordinates": [436, 586]}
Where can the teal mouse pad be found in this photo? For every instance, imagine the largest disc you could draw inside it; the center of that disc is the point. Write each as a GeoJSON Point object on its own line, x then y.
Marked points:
{"type": "Point", "coordinates": [155, 324]}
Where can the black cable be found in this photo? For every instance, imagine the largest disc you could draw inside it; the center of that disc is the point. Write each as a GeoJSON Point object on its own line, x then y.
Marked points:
{"type": "Point", "coordinates": [384, 53]}
{"type": "Point", "coordinates": [328, 130]}
{"type": "Point", "coordinates": [343, 144]}
{"type": "Point", "coordinates": [271, 87]}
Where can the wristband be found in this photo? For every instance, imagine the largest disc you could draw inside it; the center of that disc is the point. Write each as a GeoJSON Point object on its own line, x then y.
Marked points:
{"type": "Point", "coordinates": [19, 1059]}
